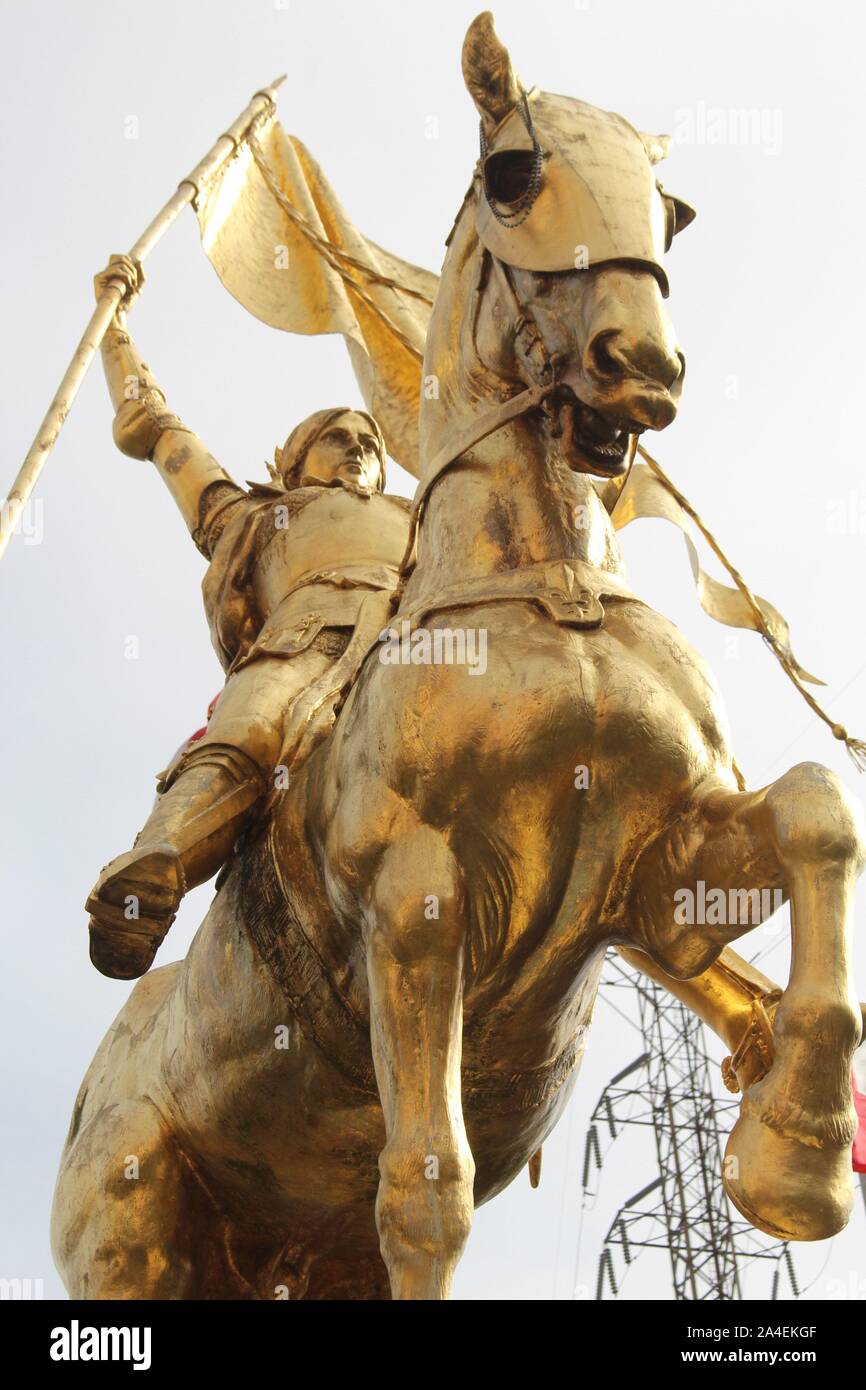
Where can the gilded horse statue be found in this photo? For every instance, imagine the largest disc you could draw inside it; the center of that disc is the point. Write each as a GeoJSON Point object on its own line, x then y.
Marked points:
{"type": "Point", "coordinates": [381, 1018]}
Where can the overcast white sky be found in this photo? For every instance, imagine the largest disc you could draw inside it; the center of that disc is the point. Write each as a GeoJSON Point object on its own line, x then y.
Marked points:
{"type": "Point", "coordinates": [768, 302]}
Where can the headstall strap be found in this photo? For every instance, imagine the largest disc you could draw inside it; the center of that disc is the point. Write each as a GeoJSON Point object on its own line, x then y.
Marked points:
{"type": "Point", "coordinates": [526, 328]}
{"type": "Point", "coordinates": [523, 206]}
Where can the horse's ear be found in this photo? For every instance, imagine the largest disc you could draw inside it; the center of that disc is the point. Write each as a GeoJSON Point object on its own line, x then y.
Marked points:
{"type": "Point", "coordinates": [684, 213]}
{"type": "Point", "coordinates": [658, 147]}
{"type": "Point", "coordinates": [490, 79]}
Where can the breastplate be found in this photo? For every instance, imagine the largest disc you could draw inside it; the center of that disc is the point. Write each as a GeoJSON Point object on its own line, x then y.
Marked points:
{"type": "Point", "coordinates": [337, 532]}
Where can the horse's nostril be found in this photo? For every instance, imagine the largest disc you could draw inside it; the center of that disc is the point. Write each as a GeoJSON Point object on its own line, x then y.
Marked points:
{"type": "Point", "coordinates": [613, 356]}
{"type": "Point", "coordinates": [602, 358]}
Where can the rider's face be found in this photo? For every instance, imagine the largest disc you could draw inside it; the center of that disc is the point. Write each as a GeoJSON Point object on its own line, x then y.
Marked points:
{"type": "Point", "coordinates": [346, 452]}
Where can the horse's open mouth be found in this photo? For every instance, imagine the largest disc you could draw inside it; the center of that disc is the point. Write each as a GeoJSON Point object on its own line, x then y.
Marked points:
{"type": "Point", "coordinates": [590, 443]}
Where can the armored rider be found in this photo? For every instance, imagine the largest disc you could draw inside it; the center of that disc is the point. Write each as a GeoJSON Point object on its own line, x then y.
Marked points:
{"type": "Point", "coordinates": [299, 579]}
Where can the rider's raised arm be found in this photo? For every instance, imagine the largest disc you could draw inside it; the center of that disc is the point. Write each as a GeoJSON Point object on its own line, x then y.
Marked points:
{"type": "Point", "coordinates": [145, 428]}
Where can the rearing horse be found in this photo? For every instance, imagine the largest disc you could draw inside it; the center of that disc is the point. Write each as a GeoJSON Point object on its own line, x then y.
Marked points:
{"type": "Point", "coordinates": [425, 921]}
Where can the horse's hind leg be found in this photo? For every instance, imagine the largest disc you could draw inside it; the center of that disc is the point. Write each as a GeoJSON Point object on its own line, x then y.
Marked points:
{"type": "Point", "coordinates": [415, 947]}
{"type": "Point", "coordinates": [788, 1162]}
{"type": "Point", "coordinates": [130, 1220]}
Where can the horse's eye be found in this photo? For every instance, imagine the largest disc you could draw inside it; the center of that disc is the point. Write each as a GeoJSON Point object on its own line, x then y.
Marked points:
{"type": "Point", "coordinates": [508, 174]}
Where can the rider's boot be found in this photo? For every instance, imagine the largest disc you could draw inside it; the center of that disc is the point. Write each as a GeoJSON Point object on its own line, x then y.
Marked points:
{"type": "Point", "coordinates": [187, 837]}
{"type": "Point", "coordinates": [734, 999]}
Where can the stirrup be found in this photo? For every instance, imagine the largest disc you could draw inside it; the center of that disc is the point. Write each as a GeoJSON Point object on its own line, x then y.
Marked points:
{"type": "Point", "coordinates": [131, 908]}
{"type": "Point", "coordinates": [753, 1056]}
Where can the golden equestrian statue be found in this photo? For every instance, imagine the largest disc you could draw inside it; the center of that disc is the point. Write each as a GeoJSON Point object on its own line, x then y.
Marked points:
{"type": "Point", "coordinates": [381, 1018]}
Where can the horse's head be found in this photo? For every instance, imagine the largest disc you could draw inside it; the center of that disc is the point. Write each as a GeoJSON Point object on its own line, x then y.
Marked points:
{"type": "Point", "coordinates": [565, 230]}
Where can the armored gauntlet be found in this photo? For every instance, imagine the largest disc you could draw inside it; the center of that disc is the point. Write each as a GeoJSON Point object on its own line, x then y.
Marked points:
{"type": "Point", "coordinates": [141, 413]}
{"type": "Point", "coordinates": [138, 424]}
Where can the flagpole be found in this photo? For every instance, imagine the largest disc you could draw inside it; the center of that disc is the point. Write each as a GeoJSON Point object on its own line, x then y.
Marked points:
{"type": "Point", "coordinates": [187, 190]}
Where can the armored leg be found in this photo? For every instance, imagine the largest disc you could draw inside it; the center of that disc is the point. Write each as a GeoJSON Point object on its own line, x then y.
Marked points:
{"type": "Point", "coordinates": [734, 999]}
{"type": "Point", "coordinates": [208, 802]}
{"type": "Point", "coordinates": [189, 834]}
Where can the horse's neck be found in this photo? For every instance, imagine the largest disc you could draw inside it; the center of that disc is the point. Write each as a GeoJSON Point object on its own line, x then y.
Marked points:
{"type": "Point", "coordinates": [509, 501]}
{"type": "Point", "coordinates": [508, 504]}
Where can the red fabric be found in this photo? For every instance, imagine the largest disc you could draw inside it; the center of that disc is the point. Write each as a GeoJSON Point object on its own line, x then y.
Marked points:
{"type": "Point", "coordinates": [200, 733]}
{"type": "Point", "coordinates": [860, 1137]}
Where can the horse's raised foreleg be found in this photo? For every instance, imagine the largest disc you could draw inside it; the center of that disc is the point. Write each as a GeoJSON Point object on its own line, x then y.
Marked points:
{"type": "Point", "coordinates": [788, 1164]}
{"type": "Point", "coordinates": [415, 951]}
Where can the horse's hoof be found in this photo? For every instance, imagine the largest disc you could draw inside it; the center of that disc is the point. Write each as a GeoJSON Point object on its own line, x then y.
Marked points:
{"type": "Point", "coordinates": [788, 1189]}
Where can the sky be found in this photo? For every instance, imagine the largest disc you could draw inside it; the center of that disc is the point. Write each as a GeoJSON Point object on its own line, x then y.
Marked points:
{"type": "Point", "coordinates": [107, 664]}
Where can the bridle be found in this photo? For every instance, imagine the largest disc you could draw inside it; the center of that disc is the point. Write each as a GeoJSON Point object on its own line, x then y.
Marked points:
{"type": "Point", "coordinates": [541, 367]}
{"type": "Point", "coordinates": [540, 393]}
{"type": "Point", "coordinates": [520, 210]}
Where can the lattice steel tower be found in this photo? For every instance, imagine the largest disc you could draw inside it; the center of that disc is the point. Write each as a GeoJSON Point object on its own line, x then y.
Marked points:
{"type": "Point", "coordinates": [683, 1209]}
